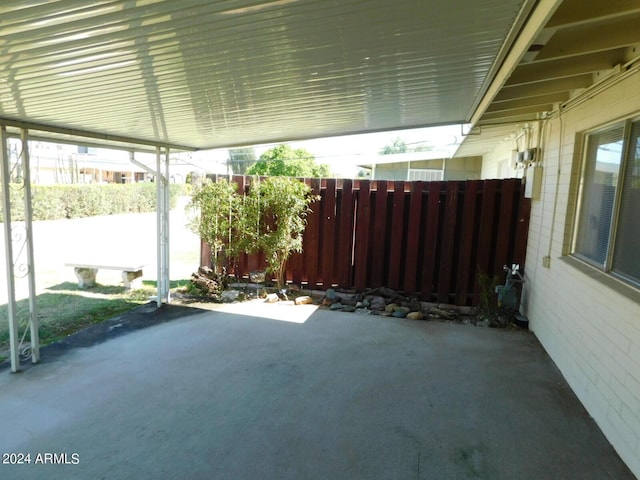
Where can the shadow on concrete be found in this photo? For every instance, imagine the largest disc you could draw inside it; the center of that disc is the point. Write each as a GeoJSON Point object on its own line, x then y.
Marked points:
{"type": "Point", "coordinates": [144, 316]}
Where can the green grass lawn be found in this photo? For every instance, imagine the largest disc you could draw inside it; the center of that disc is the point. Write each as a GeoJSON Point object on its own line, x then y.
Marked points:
{"type": "Point", "coordinates": [65, 308]}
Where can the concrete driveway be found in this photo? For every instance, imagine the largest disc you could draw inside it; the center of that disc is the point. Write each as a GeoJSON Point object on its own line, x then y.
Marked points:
{"type": "Point", "coordinates": [230, 395]}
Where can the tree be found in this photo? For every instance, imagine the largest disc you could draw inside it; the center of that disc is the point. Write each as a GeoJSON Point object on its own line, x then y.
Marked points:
{"type": "Point", "coordinates": [398, 146]}
{"type": "Point", "coordinates": [284, 161]}
{"type": "Point", "coordinates": [275, 212]}
{"type": "Point", "coordinates": [241, 159]}
{"type": "Point", "coordinates": [422, 148]}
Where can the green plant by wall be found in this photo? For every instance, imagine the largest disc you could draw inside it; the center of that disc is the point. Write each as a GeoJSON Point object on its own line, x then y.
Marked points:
{"type": "Point", "coordinates": [275, 211]}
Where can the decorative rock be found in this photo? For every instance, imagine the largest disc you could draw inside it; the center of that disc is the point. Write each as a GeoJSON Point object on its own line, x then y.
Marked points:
{"type": "Point", "coordinates": [347, 297]}
{"type": "Point", "coordinates": [327, 303]}
{"type": "Point", "coordinates": [399, 314]}
{"type": "Point", "coordinates": [387, 292]}
{"type": "Point", "coordinates": [317, 294]}
{"type": "Point", "coordinates": [272, 298]}
{"type": "Point", "coordinates": [415, 316]}
{"type": "Point", "coordinates": [331, 294]}
{"type": "Point", "coordinates": [364, 311]}
{"type": "Point", "coordinates": [304, 300]}
{"type": "Point", "coordinates": [360, 305]}
{"type": "Point", "coordinates": [385, 314]}
{"type": "Point", "coordinates": [377, 303]}
{"type": "Point", "coordinates": [414, 306]}
{"type": "Point", "coordinates": [442, 313]}
{"type": "Point", "coordinates": [403, 310]}
{"type": "Point", "coordinates": [230, 295]}
{"type": "Point", "coordinates": [336, 306]}
{"type": "Point", "coordinates": [293, 287]}
{"type": "Point", "coordinates": [349, 308]}
{"type": "Point", "coordinates": [391, 308]}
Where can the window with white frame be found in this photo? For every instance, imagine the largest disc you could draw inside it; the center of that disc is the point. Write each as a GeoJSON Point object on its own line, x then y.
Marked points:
{"type": "Point", "coordinates": [424, 174]}
{"type": "Point", "coordinates": [608, 220]}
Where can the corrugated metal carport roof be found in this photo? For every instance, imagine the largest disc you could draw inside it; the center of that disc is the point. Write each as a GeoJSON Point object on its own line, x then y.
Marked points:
{"type": "Point", "coordinates": [206, 74]}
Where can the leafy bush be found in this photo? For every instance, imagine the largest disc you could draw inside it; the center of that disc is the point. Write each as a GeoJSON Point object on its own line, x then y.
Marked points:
{"type": "Point", "coordinates": [271, 219]}
{"type": "Point", "coordinates": [215, 215]}
{"type": "Point", "coordinates": [53, 202]}
{"type": "Point", "coordinates": [276, 212]}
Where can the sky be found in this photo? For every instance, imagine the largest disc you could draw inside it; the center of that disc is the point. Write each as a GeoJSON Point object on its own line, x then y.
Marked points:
{"type": "Point", "coordinates": [343, 154]}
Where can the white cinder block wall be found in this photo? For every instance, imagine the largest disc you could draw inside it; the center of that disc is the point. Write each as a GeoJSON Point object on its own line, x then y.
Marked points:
{"type": "Point", "coordinates": [589, 325]}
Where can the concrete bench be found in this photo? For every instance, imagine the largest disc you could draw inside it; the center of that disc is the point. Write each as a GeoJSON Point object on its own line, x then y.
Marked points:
{"type": "Point", "coordinates": [86, 273]}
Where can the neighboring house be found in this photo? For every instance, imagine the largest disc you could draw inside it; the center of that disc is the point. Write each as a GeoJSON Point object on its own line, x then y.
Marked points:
{"type": "Point", "coordinates": [53, 163]}
{"type": "Point", "coordinates": [60, 163]}
{"type": "Point", "coordinates": [582, 275]}
{"type": "Point", "coordinates": [426, 166]}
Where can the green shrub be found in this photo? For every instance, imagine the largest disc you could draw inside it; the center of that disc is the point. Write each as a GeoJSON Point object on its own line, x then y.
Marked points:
{"type": "Point", "coordinates": [270, 219]}
{"type": "Point", "coordinates": [53, 202]}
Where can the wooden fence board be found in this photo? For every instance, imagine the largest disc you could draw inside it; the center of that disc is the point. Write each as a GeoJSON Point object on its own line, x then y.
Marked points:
{"type": "Point", "coordinates": [522, 230]}
{"type": "Point", "coordinates": [466, 272]}
{"type": "Point", "coordinates": [504, 238]}
{"type": "Point", "coordinates": [431, 227]}
{"type": "Point", "coordinates": [413, 239]}
{"type": "Point", "coordinates": [379, 250]}
{"type": "Point", "coordinates": [346, 234]}
{"type": "Point", "coordinates": [397, 235]}
{"type": "Point", "coordinates": [361, 247]}
{"type": "Point", "coordinates": [327, 234]}
{"type": "Point", "coordinates": [312, 234]}
{"type": "Point", "coordinates": [448, 239]}
{"type": "Point", "coordinates": [485, 234]}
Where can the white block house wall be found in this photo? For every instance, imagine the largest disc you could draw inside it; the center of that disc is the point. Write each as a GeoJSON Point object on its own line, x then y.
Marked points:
{"type": "Point", "coordinates": [588, 322]}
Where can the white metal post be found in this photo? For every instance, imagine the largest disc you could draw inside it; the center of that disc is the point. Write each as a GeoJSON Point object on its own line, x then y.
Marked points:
{"type": "Point", "coordinates": [8, 251]}
{"type": "Point", "coordinates": [167, 211]}
{"type": "Point", "coordinates": [28, 213]}
{"type": "Point", "coordinates": [159, 242]}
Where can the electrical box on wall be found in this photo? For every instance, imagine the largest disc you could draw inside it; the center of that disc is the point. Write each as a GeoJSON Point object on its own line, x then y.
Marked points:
{"type": "Point", "coordinates": [533, 183]}
{"type": "Point", "coordinates": [531, 155]}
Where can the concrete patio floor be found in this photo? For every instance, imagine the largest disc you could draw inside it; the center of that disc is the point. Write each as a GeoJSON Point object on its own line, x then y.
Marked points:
{"type": "Point", "coordinates": [203, 394]}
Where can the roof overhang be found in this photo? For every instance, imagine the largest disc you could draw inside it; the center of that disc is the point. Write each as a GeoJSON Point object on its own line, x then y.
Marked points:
{"type": "Point", "coordinates": [570, 50]}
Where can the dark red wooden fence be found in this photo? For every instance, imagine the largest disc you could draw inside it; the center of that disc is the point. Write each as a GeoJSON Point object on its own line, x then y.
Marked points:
{"type": "Point", "coordinates": [432, 239]}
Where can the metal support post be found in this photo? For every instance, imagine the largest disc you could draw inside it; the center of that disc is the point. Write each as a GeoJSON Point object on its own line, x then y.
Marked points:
{"type": "Point", "coordinates": [28, 213]}
{"type": "Point", "coordinates": [167, 211]}
{"type": "Point", "coordinates": [8, 247]}
{"type": "Point", "coordinates": [162, 207]}
{"type": "Point", "coordinates": [159, 242]}
{"type": "Point", "coordinates": [162, 222]}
